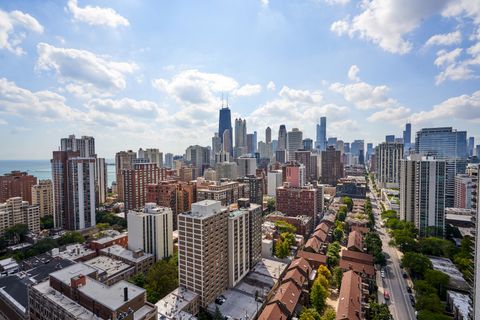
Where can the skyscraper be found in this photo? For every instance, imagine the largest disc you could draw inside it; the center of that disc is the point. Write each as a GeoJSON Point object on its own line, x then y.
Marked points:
{"type": "Point", "coordinates": [390, 138]}
{"type": "Point", "coordinates": [123, 161]}
{"type": "Point", "coordinates": [85, 145]}
{"type": "Point", "coordinates": [101, 180]}
{"type": "Point", "coordinates": [445, 144]}
{"type": "Point", "coordinates": [388, 156]}
{"type": "Point", "coordinates": [227, 141]}
{"type": "Point", "coordinates": [407, 136]}
{"type": "Point", "coordinates": [216, 145]}
{"type": "Point", "coordinates": [268, 135]}
{"type": "Point", "coordinates": [225, 123]}
{"type": "Point", "coordinates": [422, 194]}
{"type": "Point", "coordinates": [17, 184]}
{"type": "Point", "coordinates": [169, 159]}
{"type": "Point", "coordinates": [42, 196]}
{"type": "Point", "coordinates": [199, 157]}
{"type": "Point", "coordinates": [136, 180]}
{"type": "Point", "coordinates": [357, 148]}
{"type": "Point", "coordinates": [295, 138]}
{"type": "Point", "coordinates": [471, 146]}
{"type": "Point", "coordinates": [240, 137]}
{"type": "Point", "coordinates": [307, 144]}
{"type": "Point", "coordinates": [282, 138]}
{"type": "Point", "coordinates": [331, 166]}
{"type": "Point", "coordinates": [321, 142]}
{"type": "Point", "coordinates": [250, 147]}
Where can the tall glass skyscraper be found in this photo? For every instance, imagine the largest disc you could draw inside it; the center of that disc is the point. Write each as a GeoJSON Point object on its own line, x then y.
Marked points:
{"type": "Point", "coordinates": [225, 123]}
{"type": "Point", "coordinates": [445, 144]}
{"type": "Point", "coordinates": [282, 137]}
{"type": "Point", "coordinates": [321, 142]}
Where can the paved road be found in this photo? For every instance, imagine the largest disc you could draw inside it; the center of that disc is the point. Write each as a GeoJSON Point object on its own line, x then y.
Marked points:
{"type": "Point", "coordinates": [399, 304]}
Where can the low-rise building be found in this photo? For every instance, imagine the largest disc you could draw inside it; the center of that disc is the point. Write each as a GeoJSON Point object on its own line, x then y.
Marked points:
{"type": "Point", "coordinates": [110, 240]}
{"type": "Point", "coordinates": [178, 304]}
{"type": "Point", "coordinates": [75, 252]}
{"type": "Point", "coordinates": [304, 224]}
{"type": "Point", "coordinates": [140, 260]}
{"type": "Point", "coordinates": [351, 298]}
{"type": "Point", "coordinates": [360, 263]}
{"type": "Point", "coordinates": [111, 271]}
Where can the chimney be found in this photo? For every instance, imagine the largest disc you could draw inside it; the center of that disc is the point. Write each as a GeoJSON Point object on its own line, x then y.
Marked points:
{"type": "Point", "coordinates": [78, 281]}
{"type": "Point", "coordinates": [125, 294]}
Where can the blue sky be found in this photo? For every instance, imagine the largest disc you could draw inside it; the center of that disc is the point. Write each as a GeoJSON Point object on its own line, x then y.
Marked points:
{"type": "Point", "coordinates": [151, 73]}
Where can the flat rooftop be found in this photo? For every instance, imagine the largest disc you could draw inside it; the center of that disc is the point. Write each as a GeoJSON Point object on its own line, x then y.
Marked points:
{"type": "Point", "coordinates": [446, 266]}
{"type": "Point", "coordinates": [119, 251]}
{"type": "Point", "coordinates": [73, 252]}
{"type": "Point", "coordinates": [107, 264]}
{"type": "Point", "coordinates": [66, 274]}
{"type": "Point", "coordinates": [204, 209]}
{"type": "Point", "coordinates": [461, 301]}
{"type": "Point", "coordinates": [240, 301]}
{"type": "Point", "coordinates": [175, 302]}
{"type": "Point", "coordinates": [110, 238]}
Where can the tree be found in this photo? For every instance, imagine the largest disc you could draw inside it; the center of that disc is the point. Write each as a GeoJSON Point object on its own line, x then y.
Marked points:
{"type": "Point", "coordinates": [309, 314]}
{"type": "Point", "coordinates": [138, 280]}
{"type": "Point", "coordinates": [161, 279]}
{"type": "Point", "coordinates": [436, 247]}
{"type": "Point", "coordinates": [103, 226]}
{"type": "Point", "coordinates": [379, 312]}
{"type": "Point", "coordinates": [217, 315]}
{"type": "Point", "coordinates": [46, 222]}
{"type": "Point", "coordinates": [428, 315]}
{"type": "Point", "coordinates": [333, 255]}
{"type": "Point", "coordinates": [338, 233]}
{"type": "Point", "coordinates": [318, 296]}
{"type": "Point", "coordinates": [348, 202]}
{"type": "Point", "coordinates": [342, 213]}
{"type": "Point", "coordinates": [16, 233]}
{"type": "Point", "coordinates": [438, 280]}
{"type": "Point", "coordinates": [417, 263]}
{"type": "Point", "coordinates": [430, 302]}
{"type": "Point", "coordinates": [323, 281]}
{"type": "Point", "coordinates": [289, 238]}
{"type": "Point", "coordinates": [283, 226]}
{"type": "Point", "coordinates": [422, 287]}
{"type": "Point", "coordinates": [271, 205]}
{"type": "Point", "coordinates": [323, 270]}
{"type": "Point", "coordinates": [71, 237]}
{"type": "Point", "coordinates": [282, 249]}
{"type": "Point", "coordinates": [337, 275]}
{"type": "Point", "coordinates": [329, 314]}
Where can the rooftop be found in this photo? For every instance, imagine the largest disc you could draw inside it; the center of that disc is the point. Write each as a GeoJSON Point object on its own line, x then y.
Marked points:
{"type": "Point", "coordinates": [204, 209]}
{"type": "Point", "coordinates": [107, 264]}
{"type": "Point", "coordinates": [446, 266]}
{"type": "Point", "coordinates": [461, 302]}
{"type": "Point", "coordinates": [66, 274]}
{"type": "Point", "coordinates": [72, 252]}
{"type": "Point", "coordinates": [110, 237]}
{"type": "Point", "coordinates": [175, 302]}
{"type": "Point", "coordinates": [119, 251]}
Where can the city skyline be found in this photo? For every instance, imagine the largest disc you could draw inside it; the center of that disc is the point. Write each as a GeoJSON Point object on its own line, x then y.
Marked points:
{"type": "Point", "coordinates": [132, 82]}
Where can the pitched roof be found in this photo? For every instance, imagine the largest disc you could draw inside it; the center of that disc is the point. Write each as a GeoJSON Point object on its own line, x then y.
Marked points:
{"type": "Point", "coordinates": [315, 259]}
{"type": "Point", "coordinates": [288, 295]}
{"type": "Point", "coordinates": [272, 311]}
{"type": "Point", "coordinates": [296, 276]}
{"type": "Point", "coordinates": [302, 265]}
{"type": "Point", "coordinates": [350, 297]}
{"type": "Point", "coordinates": [355, 241]}
{"type": "Point", "coordinates": [355, 256]}
{"type": "Point", "coordinates": [314, 244]}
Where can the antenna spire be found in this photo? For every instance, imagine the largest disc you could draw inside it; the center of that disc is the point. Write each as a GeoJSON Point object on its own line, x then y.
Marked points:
{"type": "Point", "coordinates": [222, 99]}
{"type": "Point", "coordinates": [227, 100]}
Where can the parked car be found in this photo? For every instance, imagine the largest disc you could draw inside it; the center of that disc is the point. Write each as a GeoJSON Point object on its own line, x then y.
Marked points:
{"type": "Point", "coordinates": [409, 290]}
{"type": "Point", "coordinates": [412, 299]}
{"type": "Point", "coordinates": [386, 295]}
{"type": "Point", "coordinates": [382, 274]}
{"type": "Point", "coordinates": [405, 275]}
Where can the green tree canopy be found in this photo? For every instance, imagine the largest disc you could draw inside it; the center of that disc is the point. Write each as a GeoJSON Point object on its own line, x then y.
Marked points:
{"type": "Point", "coordinates": [416, 263]}
{"type": "Point", "coordinates": [161, 279]}
{"type": "Point", "coordinates": [337, 275]}
{"type": "Point", "coordinates": [71, 237]}
{"type": "Point", "coordinates": [379, 312]}
{"type": "Point", "coordinates": [348, 202]}
{"type": "Point", "coordinates": [289, 238]}
{"type": "Point", "coordinates": [328, 314]}
{"type": "Point", "coordinates": [16, 233]}
{"type": "Point", "coordinates": [318, 296]}
{"type": "Point", "coordinates": [436, 247]}
{"type": "Point", "coordinates": [438, 280]}
{"type": "Point", "coordinates": [46, 222]}
{"type": "Point", "coordinates": [428, 315]}
{"type": "Point", "coordinates": [282, 249]}
{"type": "Point", "coordinates": [333, 254]}
{"type": "Point", "coordinates": [283, 226]}
{"type": "Point", "coordinates": [309, 314]}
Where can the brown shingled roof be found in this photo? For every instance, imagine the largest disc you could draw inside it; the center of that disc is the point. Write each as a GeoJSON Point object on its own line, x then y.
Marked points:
{"type": "Point", "coordinates": [302, 265]}
{"type": "Point", "coordinates": [288, 295]}
{"type": "Point", "coordinates": [313, 244]}
{"type": "Point", "coordinates": [357, 256]}
{"type": "Point", "coordinates": [350, 297]}
{"type": "Point", "coordinates": [272, 311]}
{"type": "Point", "coordinates": [355, 241]}
{"type": "Point", "coordinates": [315, 259]}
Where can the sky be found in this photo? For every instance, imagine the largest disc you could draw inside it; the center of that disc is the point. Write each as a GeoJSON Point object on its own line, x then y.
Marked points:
{"type": "Point", "coordinates": [152, 74]}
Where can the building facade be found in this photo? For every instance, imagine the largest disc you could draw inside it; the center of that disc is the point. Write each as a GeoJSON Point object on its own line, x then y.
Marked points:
{"type": "Point", "coordinates": [16, 211]}
{"type": "Point", "coordinates": [17, 184]}
{"type": "Point", "coordinates": [135, 182]}
{"type": "Point", "coordinates": [388, 156]}
{"type": "Point", "coordinates": [42, 196]}
{"type": "Point", "coordinates": [331, 166]}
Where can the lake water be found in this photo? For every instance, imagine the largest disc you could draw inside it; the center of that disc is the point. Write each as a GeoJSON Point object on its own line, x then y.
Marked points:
{"type": "Point", "coordinates": [43, 170]}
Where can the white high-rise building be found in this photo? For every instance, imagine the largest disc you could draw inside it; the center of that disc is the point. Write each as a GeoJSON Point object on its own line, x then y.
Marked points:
{"type": "Point", "coordinates": [274, 180]}
{"type": "Point", "coordinates": [154, 156]}
{"type": "Point", "coordinates": [101, 179]}
{"type": "Point", "coordinates": [295, 142]}
{"type": "Point", "coordinates": [422, 194]}
{"type": "Point", "coordinates": [238, 246]}
{"type": "Point", "coordinates": [388, 156]}
{"type": "Point", "coordinates": [42, 195]}
{"type": "Point", "coordinates": [247, 166]}
{"type": "Point", "coordinates": [15, 211]}
{"type": "Point", "coordinates": [82, 194]}
{"type": "Point", "coordinates": [151, 230]}
{"type": "Point", "coordinates": [85, 145]}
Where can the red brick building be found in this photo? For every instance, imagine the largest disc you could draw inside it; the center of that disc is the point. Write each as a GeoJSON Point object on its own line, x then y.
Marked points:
{"type": "Point", "coordinates": [299, 201]}
{"type": "Point", "coordinates": [16, 184]}
{"type": "Point", "coordinates": [135, 183]}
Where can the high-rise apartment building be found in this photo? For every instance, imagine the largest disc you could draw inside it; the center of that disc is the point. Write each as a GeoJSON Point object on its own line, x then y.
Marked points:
{"type": "Point", "coordinates": [151, 230]}
{"type": "Point", "coordinates": [227, 192]}
{"type": "Point", "coordinates": [255, 184]}
{"type": "Point", "coordinates": [282, 137]}
{"type": "Point", "coordinates": [240, 137]}
{"type": "Point", "coordinates": [42, 196]}
{"type": "Point", "coordinates": [471, 146]}
{"type": "Point", "coordinates": [357, 148]}
{"type": "Point", "coordinates": [305, 157]}
{"type": "Point", "coordinates": [445, 144]}
{"type": "Point", "coordinates": [225, 123]}
{"type": "Point", "coordinates": [294, 142]}
{"type": "Point", "coordinates": [227, 170]}
{"type": "Point", "coordinates": [169, 160]}
{"type": "Point", "coordinates": [203, 268]}
{"type": "Point", "coordinates": [250, 143]}
{"type": "Point", "coordinates": [274, 180]}
{"type": "Point", "coordinates": [199, 157]}
{"type": "Point", "coordinates": [388, 156]}
{"type": "Point", "coordinates": [246, 166]}
{"type": "Point", "coordinates": [294, 174]}
{"type": "Point", "coordinates": [265, 150]}
{"type": "Point", "coordinates": [136, 181]}
{"type": "Point", "coordinates": [101, 180]}
{"type": "Point", "coordinates": [422, 194]}
{"type": "Point", "coordinates": [297, 201]}
{"type": "Point", "coordinates": [216, 145]}
{"type": "Point", "coordinates": [17, 184]}
{"type": "Point", "coordinates": [176, 195]}
{"type": "Point", "coordinates": [74, 188]}
{"type": "Point", "coordinates": [321, 143]}
{"type": "Point", "coordinates": [85, 145]}
{"type": "Point", "coordinates": [151, 155]}
{"type": "Point", "coordinates": [268, 135]}
{"type": "Point", "coordinates": [16, 211]}
{"type": "Point", "coordinates": [331, 166]}
{"type": "Point", "coordinates": [407, 136]}
{"type": "Point", "coordinates": [465, 190]}
{"type": "Point", "coordinates": [124, 160]}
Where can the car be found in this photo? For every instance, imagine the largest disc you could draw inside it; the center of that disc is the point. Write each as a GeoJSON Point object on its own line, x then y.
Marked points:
{"type": "Point", "coordinates": [386, 295]}
{"type": "Point", "coordinates": [405, 275]}
{"type": "Point", "coordinates": [409, 289]}
{"type": "Point", "coordinates": [382, 274]}
{"type": "Point", "coordinates": [412, 299]}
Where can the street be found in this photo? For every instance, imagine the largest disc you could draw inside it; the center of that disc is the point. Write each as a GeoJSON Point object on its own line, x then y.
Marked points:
{"type": "Point", "coordinates": [399, 303]}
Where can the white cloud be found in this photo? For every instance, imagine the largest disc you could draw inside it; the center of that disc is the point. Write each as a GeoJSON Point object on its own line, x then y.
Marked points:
{"type": "Point", "coordinates": [353, 73]}
{"type": "Point", "coordinates": [387, 22]}
{"type": "Point", "coordinates": [248, 90]}
{"type": "Point", "coordinates": [130, 107]}
{"type": "Point", "coordinates": [455, 66]}
{"type": "Point", "coordinates": [10, 37]}
{"type": "Point", "coordinates": [84, 68]}
{"type": "Point", "coordinates": [271, 86]}
{"type": "Point", "coordinates": [444, 39]}
{"type": "Point", "coordinates": [3, 122]}
{"type": "Point", "coordinates": [363, 95]}
{"type": "Point", "coordinates": [337, 2]}
{"type": "Point", "coordinates": [45, 105]}
{"type": "Point", "coordinates": [301, 96]}
{"type": "Point", "coordinates": [393, 115]}
{"type": "Point", "coordinates": [468, 8]}
{"type": "Point", "coordinates": [97, 15]}
{"type": "Point", "coordinates": [464, 107]}
{"type": "Point", "coordinates": [264, 3]}
{"type": "Point", "coordinates": [195, 87]}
